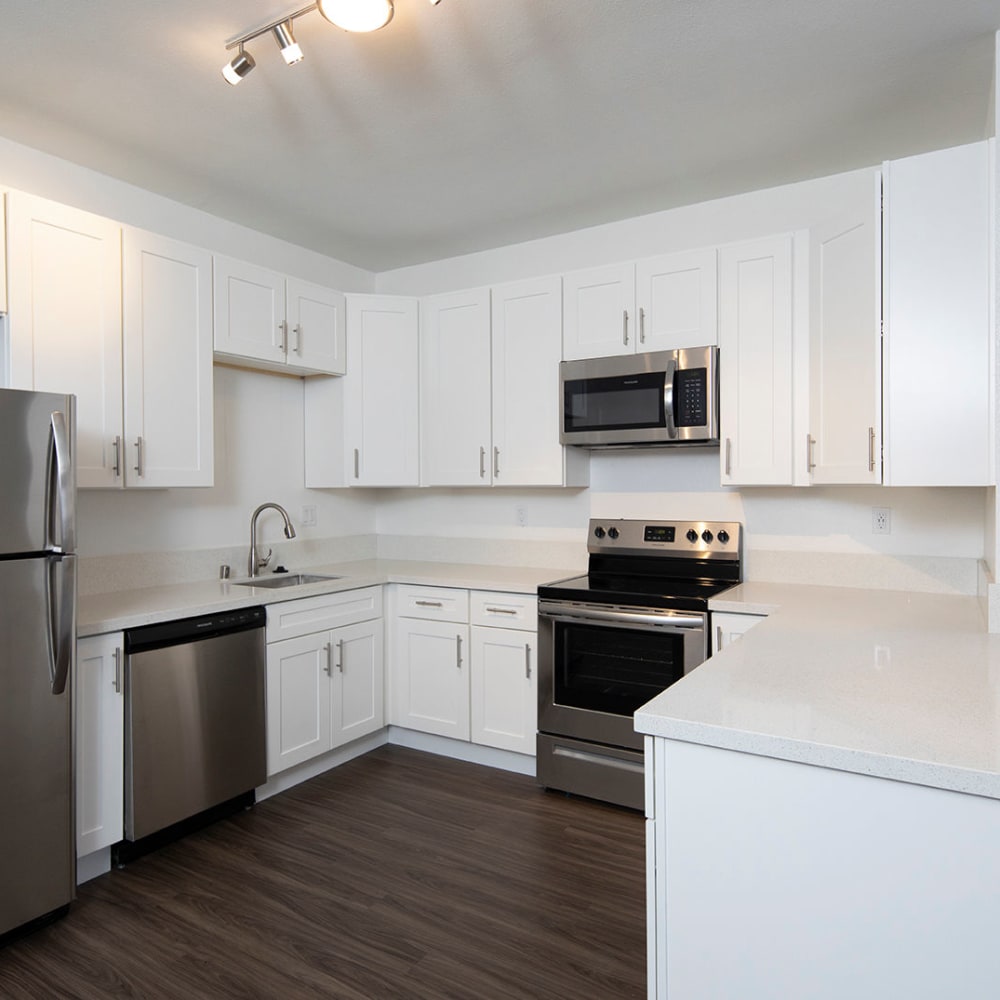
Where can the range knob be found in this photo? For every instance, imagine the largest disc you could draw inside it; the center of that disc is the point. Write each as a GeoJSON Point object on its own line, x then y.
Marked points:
{"type": "Point", "coordinates": [598, 532]}
{"type": "Point", "coordinates": [692, 535]}
{"type": "Point", "coordinates": [706, 536]}
{"type": "Point", "coordinates": [612, 532]}
{"type": "Point", "coordinates": [723, 536]}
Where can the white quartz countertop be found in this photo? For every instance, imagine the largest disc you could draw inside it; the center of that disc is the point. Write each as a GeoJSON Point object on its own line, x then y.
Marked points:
{"type": "Point", "coordinates": [894, 684]}
{"type": "Point", "coordinates": [111, 612]}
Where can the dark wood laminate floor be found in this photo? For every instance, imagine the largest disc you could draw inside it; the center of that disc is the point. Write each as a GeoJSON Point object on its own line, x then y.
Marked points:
{"type": "Point", "coordinates": [398, 875]}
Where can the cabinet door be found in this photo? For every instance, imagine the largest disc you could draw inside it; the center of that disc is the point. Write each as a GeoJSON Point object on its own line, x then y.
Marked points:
{"type": "Point", "coordinates": [317, 335]}
{"type": "Point", "coordinates": [168, 362]}
{"type": "Point", "coordinates": [100, 743]}
{"type": "Point", "coordinates": [66, 322]}
{"type": "Point", "coordinates": [527, 332]}
{"type": "Point", "coordinates": [728, 627]}
{"type": "Point", "coordinates": [431, 677]}
{"type": "Point", "coordinates": [938, 338]}
{"type": "Point", "coordinates": [249, 311]}
{"type": "Point", "coordinates": [3, 260]}
{"type": "Point", "coordinates": [455, 389]}
{"type": "Point", "coordinates": [298, 700]}
{"type": "Point", "coordinates": [504, 698]}
{"type": "Point", "coordinates": [677, 298]}
{"type": "Point", "coordinates": [358, 682]}
{"type": "Point", "coordinates": [381, 391]}
{"type": "Point", "coordinates": [755, 370]}
{"type": "Point", "coordinates": [845, 344]}
{"type": "Point", "coordinates": [599, 311]}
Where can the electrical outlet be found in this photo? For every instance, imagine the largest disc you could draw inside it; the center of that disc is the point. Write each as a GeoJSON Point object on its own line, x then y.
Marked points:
{"type": "Point", "coordinates": [309, 515]}
{"type": "Point", "coordinates": [881, 520]}
{"type": "Point", "coordinates": [521, 515]}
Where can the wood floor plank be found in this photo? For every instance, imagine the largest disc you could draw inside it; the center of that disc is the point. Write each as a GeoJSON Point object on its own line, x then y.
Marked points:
{"type": "Point", "coordinates": [398, 875]}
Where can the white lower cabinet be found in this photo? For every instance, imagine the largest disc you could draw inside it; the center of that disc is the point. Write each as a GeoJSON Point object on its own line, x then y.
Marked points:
{"type": "Point", "coordinates": [324, 686]}
{"type": "Point", "coordinates": [99, 707]}
{"type": "Point", "coordinates": [728, 626]}
{"type": "Point", "coordinates": [466, 681]}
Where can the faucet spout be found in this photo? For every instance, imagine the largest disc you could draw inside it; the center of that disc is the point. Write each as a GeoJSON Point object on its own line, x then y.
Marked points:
{"type": "Point", "coordinates": [254, 562]}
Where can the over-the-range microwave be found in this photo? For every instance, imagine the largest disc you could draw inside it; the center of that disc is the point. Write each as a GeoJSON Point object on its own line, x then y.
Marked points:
{"type": "Point", "coordinates": [660, 398]}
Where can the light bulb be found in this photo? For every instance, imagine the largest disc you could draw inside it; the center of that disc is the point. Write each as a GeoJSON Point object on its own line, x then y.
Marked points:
{"type": "Point", "coordinates": [238, 68]}
{"type": "Point", "coordinates": [357, 15]}
{"type": "Point", "coordinates": [291, 52]}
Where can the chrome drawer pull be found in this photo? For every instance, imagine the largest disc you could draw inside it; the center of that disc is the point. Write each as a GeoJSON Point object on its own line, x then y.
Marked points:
{"type": "Point", "coordinates": [527, 661]}
{"type": "Point", "coordinates": [502, 611]}
{"type": "Point", "coordinates": [428, 604]}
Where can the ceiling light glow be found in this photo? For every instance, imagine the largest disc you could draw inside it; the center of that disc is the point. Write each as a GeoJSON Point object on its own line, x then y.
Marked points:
{"type": "Point", "coordinates": [357, 15]}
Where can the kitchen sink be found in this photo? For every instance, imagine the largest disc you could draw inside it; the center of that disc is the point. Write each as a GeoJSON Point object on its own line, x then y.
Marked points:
{"type": "Point", "coordinates": [277, 580]}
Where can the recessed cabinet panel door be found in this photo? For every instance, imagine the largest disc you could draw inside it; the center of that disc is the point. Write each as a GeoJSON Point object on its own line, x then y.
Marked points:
{"type": "Point", "coordinates": [298, 700]}
{"type": "Point", "coordinates": [677, 298]}
{"type": "Point", "coordinates": [504, 689]}
{"type": "Point", "coordinates": [358, 681]}
{"type": "Point", "coordinates": [455, 389]}
{"type": "Point", "coordinates": [431, 677]}
{"type": "Point", "coordinates": [249, 310]}
{"type": "Point", "coordinates": [317, 335]}
{"type": "Point", "coordinates": [527, 329]}
{"type": "Point", "coordinates": [168, 362]}
{"type": "Point", "coordinates": [599, 308]}
{"type": "Point", "coordinates": [755, 341]}
{"type": "Point", "coordinates": [66, 321]}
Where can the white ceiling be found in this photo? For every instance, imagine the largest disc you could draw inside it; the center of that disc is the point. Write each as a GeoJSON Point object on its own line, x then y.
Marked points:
{"type": "Point", "coordinates": [477, 123]}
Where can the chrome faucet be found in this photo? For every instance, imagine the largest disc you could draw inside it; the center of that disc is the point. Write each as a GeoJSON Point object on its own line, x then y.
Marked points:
{"type": "Point", "coordinates": [253, 562]}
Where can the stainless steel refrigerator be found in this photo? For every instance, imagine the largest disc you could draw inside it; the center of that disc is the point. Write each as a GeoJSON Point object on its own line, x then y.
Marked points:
{"type": "Point", "coordinates": [37, 654]}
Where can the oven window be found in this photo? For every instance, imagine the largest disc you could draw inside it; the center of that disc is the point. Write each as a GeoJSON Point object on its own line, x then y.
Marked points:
{"type": "Point", "coordinates": [619, 403]}
{"type": "Point", "coordinates": [616, 670]}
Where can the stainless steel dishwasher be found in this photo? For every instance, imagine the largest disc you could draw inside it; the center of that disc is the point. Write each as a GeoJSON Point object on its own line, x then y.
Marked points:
{"type": "Point", "coordinates": [194, 718]}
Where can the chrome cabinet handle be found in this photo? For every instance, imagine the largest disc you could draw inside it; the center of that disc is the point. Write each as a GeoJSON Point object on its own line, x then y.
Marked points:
{"type": "Point", "coordinates": [871, 449]}
{"type": "Point", "coordinates": [297, 330]}
{"type": "Point", "coordinates": [496, 462]}
{"type": "Point", "coordinates": [428, 604]}
{"type": "Point", "coordinates": [458, 651]}
{"type": "Point", "coordinates": [357, 463]}
{"type": "Point", "coordinates": [718, 637]}
{"type": "Point", "coordinates": [138, 457]}
{"type": "Point", "coordinates": [625, 327]}
{"type": "Point", "coordinates": [340, 655]}
{"type": "Point", "coordinates": [810, 461]}
{"type": "Point", "coordinates": [117, 682]}
{"type": "Point", "coordinates": [527, 661]}
{"type": "Point", "coordinates": [328, 668]}
{"type": "Point", "coordinates": [283, 329]}
{"type": "Point", "coordinates": [502, 611]}
{"type": "Point", "coordinates": [482, 463]}
{"type": "Point", "coordinates": [117, 467]}
{"type": "Point", "coordinates": [729, 456]}
{"type": "Point", "coordinates": [642, 325]}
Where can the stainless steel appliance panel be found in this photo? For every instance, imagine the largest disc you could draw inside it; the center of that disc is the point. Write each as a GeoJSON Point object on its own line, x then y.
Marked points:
{"type": "Point", "coordinates": [37, 841]}
{"type": "Point", "coordinates": [194, 728]}
{"type": "Point", "coordinates": [611, 774]}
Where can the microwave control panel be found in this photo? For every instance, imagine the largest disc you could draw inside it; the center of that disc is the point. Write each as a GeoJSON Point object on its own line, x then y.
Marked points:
{"type": "Point", "coordinates": [691, 397]}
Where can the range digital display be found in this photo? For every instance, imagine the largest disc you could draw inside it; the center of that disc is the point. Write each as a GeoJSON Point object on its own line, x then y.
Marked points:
{"type": "Point", "coordinates": [658, 533]}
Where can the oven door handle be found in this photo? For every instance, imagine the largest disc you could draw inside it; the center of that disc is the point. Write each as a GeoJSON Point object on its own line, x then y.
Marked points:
{"type": "Point", "coordinates": [626, 617]}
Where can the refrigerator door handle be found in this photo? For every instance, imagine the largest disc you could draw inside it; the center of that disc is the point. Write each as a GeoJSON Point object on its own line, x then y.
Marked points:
{"type": "Point", "coordinates": [60, 594]}
{"type": "Point", "coordinates": [62, 487]}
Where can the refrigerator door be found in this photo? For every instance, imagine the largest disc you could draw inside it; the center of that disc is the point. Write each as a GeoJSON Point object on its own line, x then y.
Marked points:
{"type": "Point", "coordinates": [37, 843]}
{"type": "Point", "coordinates": [39, 485]}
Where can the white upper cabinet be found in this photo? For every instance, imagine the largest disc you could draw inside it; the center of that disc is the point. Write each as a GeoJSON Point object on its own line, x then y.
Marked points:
{"type": "Point", "coordinates": [677, 297]}
{"type": "Point", "coordinates": [755, 366]}
{"type": "Point", "coordinates": [938, 344]}
{"type": "Point", "coordinates": [168, 362]}
{"type": "Point", "coordinates": [265, 320]}
{"type": "Point", "coordinates": [599, 312]}
{"type": "Point", "coordinates": [844, 441]}
{"type": "Point", "coordinates": [65, 297]}
{"type": "Point", "coordinates": [362, 430]}
{"type": "Point", "coordinates": [455, 405]}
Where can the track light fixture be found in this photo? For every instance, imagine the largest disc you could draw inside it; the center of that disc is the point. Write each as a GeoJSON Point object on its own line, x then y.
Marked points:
{"type": "Point", "coordinates": [351, 15]}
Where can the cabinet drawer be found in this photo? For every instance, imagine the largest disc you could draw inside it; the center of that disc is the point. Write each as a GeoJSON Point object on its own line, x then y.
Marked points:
{"type": "Point", "coordinates": [316, 614]}
{"type": "Point", "coordinates": [443, 604]}
{"type": "Point", "coordinates": [487, 607]}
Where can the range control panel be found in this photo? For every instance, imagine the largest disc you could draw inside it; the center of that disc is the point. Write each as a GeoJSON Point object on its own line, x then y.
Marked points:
{"type": "Point", "coordinates": [697, 539]}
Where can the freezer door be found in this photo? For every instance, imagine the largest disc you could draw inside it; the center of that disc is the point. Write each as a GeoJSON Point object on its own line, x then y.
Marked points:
{"type": "Point", "coordinates": [36, 464]}
{"type": "Point", "coordinates": [37, 850]}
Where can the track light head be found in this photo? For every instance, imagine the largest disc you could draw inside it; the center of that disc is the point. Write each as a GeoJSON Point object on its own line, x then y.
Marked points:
{"type": "Point", "coordinates": [357, 15]}
{"type": "Point", "coordinates": [291, 52]}
{"type": "Point", "coordinates": [240, 66]}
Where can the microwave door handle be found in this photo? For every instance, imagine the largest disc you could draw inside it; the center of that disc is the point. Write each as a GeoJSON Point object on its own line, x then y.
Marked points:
{"type": "Point", "coordinates": [669, 412]}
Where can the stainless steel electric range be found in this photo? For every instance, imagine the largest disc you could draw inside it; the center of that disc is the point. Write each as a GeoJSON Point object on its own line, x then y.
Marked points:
{"type": "Point", "coordinates": [610, 641]}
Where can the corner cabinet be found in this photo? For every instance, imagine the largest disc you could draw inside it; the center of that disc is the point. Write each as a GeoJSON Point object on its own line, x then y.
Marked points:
{"type": "Point", "coordinates": [99, 725]}
{"type": "Point", "coordinates": [325, 674]}
{"type": "Point", "coordinates": [938, 287]}
{"type": "Point", "coordinates": [755, 378]}
{"type": "Point", "coordinates": [265, 320]}
{"type": "Point", "coordinates": [362, 430]}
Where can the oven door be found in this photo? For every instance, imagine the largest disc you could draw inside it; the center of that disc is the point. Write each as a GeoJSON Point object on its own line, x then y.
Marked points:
{"type": "Point", "coordinates": [598, 664]}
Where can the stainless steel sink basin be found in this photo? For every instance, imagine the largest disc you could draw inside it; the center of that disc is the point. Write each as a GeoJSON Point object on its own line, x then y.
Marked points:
{"type": "Point", "coordinates": [277, 580]}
